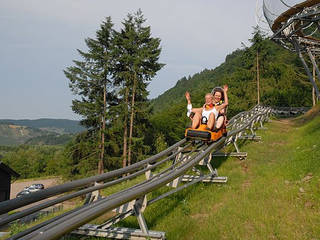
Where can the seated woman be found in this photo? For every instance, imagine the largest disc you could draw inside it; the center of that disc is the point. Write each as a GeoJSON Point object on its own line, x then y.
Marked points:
{"type": "Point", "coordinates": [218, 99]}
{"type": "Point", "coordinates": [209, 112]}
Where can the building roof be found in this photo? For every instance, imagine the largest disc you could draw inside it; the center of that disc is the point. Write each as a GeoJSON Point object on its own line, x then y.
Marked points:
{"type": "Point", "coordinates": [9, 170]}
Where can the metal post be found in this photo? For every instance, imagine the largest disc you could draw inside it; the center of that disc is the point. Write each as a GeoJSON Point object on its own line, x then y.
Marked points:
{"type": "Point", "coordinates": [251, 128]}
{"type": "Point", "coordinates": [314, 63]}
{"type": "Point", "coordinates": [138, 208]}
{"type": "Point", "coordinates": [236, 146]}
{"type": "Point", "coordinates": [315, 69]}
{"type": "Point", "coordinates": [296, 44]}
{"type": "Point", "coordinates": [209, 166]}
{"type": "Point", "coordinates": [141, 221]}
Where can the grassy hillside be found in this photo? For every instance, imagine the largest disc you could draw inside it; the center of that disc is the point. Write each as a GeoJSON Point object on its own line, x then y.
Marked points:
{"type": "Point", "coordinates": [273, 194]}
{"type": "Point", "coordinates": [40, 131]}
{"type": "Point", "coordinates": [50, 139]}
{"type": "Point", "coordinates": [14, 134]}
{"type": "Point", "coordinates": [53, 125]}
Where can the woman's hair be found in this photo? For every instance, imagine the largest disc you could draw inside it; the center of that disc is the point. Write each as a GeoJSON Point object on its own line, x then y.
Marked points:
{"type": "Point", "coordinates": [218, 89]}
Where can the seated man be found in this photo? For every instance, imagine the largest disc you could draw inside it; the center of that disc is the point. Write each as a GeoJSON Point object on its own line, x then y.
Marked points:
{"type": "Point", "coordinates": [208, 113]}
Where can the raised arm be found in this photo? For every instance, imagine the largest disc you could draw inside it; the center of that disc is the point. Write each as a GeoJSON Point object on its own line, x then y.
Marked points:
{"type": "Point", "coordinates": [189, 107]}
{"type": "Point", "coordinates": [226, 102]}
{"type": "Point", "coordinates": [187, 94]}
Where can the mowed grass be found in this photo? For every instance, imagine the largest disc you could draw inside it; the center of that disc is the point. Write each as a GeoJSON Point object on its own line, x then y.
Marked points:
{"type": "Point", "coordinates": [273, 194]}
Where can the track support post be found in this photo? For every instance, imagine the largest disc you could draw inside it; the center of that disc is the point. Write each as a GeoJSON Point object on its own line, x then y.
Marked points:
{"type": "Point", "coordinates": [306, 68]}
{"type": "Point", "coordinates": [138, 208]}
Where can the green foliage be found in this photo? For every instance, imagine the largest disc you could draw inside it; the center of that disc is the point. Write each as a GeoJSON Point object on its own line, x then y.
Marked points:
{"type": "Point", "coordinates": [81, 156]}
{"type": "Point", "coordinates": [137, 55]}
{"type": "Point", "coordinates": [50, 139]}
{"type": "Point", "coordinates": [89, 78]}
{"type": "Point", "coordinates": [160, 143]}
{"type": "Point", "coordinates": [118, 66]}
{"type": "Point", "coordinates": [282, 83]}
{"type": "Point", "coordinates": [34, 161]}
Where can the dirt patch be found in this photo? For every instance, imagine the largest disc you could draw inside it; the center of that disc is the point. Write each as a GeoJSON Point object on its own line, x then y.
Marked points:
{"type": "Point", "coordinates": [217, 206]}
{"type": "Point", "coordinates": [249, 227]}
{"type": "Point", "coordinates": [281, 143]}
{"type": "Point", "coordinates": [246, 184]}
{"type": "Point", "coordinates": [198, 216]}
{"type": "Point", "coordinates": [244, 166]}
{"type": "Point", "coordinates": [286, 121]}
{"type": "Point", "coordinates": [202, 216]}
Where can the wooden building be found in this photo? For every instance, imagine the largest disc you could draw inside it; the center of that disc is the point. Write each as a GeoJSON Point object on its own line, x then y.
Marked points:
{"type": "Point", "coordinates": [6, 174]}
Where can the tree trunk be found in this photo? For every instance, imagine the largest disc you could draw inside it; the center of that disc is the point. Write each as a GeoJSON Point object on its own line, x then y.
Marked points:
{"type": "Point", "coordinates": [100, 165]}
{"type": "Point", "coordinates": [125, 131]}
{"type": "Point", "coordinates": [313, 90]}
{"type": "Point", "coordinates": [131, 119]}
{"type": "Point", "coordinates": [258, 78]}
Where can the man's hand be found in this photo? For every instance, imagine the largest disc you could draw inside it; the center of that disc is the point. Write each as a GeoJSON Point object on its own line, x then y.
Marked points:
{"type": "Point", "coordinates": [187, 94]}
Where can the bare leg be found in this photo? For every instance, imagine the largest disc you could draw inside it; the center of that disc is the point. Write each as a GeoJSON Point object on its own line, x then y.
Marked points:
{"type": "Point", "coordinates": [211, 121]}
{"type": "Point", "coordinates": [196, 120]}
{"type": "Point", "coordinates": [220, 121]}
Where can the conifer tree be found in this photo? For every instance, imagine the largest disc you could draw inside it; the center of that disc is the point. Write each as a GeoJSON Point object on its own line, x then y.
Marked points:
{"type": "Point", "coordinates": [90, 79]}
{"type": "Point", "coordinates": [137, 54]}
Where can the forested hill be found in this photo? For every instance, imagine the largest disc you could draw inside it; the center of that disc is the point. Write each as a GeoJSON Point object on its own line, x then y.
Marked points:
{"type": "Point", "coordinates": [38, 132]}
{"type": "Point", "coordinates": [282, 83]}
{"type": "Point", "coordinates": [282, 80]}
{"type": "Point", "coordinates": [53, 125]}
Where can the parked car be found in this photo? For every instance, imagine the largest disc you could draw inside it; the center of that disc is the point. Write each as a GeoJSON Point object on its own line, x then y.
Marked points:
{"type": "Point", "coordinates": [23, 193]}
{"type": "Point", "coordinates": [33, 189]}
{"type": "Point", "coordinates": [38, 186]}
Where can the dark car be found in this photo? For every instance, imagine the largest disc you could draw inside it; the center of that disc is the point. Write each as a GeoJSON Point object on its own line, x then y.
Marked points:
{"type": "Point", "coordinates": [23, 193]}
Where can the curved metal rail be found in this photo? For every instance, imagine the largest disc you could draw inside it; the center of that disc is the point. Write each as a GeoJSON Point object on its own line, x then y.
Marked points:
{"type": "Point", "coordinates": [296, 26]}
{"type": "Point", "coordinates": [69, 221]}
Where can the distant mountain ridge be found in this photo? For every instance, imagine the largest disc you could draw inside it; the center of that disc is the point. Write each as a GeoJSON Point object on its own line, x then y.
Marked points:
{"type": "Point", "coordinates": [52, 125]}
{"type": "Point", "coordinates": [40, 131]}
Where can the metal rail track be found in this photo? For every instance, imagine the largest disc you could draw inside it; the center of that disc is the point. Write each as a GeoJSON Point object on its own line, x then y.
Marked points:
{"type": "Point", "coordinates": [238, 127]}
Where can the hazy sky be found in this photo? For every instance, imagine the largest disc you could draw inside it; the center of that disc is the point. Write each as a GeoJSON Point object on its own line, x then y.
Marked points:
{"type": "Point", "coordinates": [39, 38]}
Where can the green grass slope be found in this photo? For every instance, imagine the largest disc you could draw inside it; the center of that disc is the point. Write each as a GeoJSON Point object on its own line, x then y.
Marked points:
{"type": "Point", "coordinates": [53, 125]}
{"type": "Point", "coordinates": [38, 132]}
{"type": "Point", "coordinates": [15, 134]}
{"type": "Point", "coordinates": [273, 194]}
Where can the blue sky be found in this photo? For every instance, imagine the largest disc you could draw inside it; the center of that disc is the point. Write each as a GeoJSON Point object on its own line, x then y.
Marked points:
{"type": "Point", "coordinates": [39, 38]}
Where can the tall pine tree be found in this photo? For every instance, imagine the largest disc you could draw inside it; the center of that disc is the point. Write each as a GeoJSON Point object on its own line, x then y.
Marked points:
{"type": "Point", "coordinates": [90, 79]}
{"type": "Point", "coordinates": [137, 54]}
